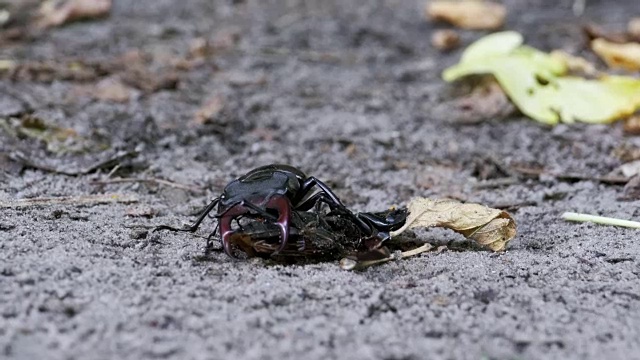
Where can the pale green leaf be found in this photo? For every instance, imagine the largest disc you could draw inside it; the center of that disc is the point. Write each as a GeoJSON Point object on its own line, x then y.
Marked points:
{"type": "Point", "coordinates": [534, 81]}
{"type": "Point", "coordinates": [495, 44]}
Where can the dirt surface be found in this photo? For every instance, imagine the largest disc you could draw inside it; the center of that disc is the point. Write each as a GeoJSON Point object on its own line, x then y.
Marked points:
{"type": "Point", "coordinates": [348, 91]}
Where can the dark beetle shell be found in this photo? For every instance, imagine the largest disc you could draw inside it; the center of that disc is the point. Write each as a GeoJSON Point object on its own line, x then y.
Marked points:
{"type": "Point", "coordinates": [325, 237]}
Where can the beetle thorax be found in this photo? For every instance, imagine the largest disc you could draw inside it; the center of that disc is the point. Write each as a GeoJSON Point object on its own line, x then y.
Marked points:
{"type": "Point", "coordinates": [257, 190]}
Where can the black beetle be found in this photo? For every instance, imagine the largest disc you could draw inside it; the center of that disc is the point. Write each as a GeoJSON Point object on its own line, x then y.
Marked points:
{"type": "Point", "coordinates": [325, 237]}
{"type": "Point", "coordinates": [272, 192]}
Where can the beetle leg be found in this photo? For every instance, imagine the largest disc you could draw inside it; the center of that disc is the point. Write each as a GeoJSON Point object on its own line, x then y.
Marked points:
{"type": "Point", "coordinates": [309, 183]}
{"type": "Point", "coordinates": [375, 241]}
{"type": "Point", "coordinates": [283, 205]}
{"type": "Point", "coordinates": [196, 224]}
{"type": "Point", "coordinates": [215, 231]}
{"type": "Point", "coordinates": [386, 220]}
{"type": "Point", "coordinates": [238, 223]}
{"type": "Point", "coordinates": [315, 199]}
{"type": "Point", "coordinates": [326, 198]}
{"type": "Point", "coordinates": [301, 244]}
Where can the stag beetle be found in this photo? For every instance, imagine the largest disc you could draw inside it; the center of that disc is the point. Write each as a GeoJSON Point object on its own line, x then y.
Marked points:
{"type": "Point", "coordinates": [272, 192]}
{"type": "Point", "coordinates": [326, 237]}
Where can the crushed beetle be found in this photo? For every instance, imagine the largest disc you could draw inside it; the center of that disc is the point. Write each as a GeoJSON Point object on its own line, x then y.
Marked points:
{"type": "Point", "coordinates": [326, 237]}
{"type": "Point", "coordinates": [272, 193]}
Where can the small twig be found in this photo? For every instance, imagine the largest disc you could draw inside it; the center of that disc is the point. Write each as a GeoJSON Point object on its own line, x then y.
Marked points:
{"type": "Point", "coordinates": [416, 251]}
{"type": "Point", "coordinates": [603, 220]}
{"type": "Point", "coordinates": [71, 200]}
{"type": "Point", "coordinates": [310, 56]}
{"type": "Point", "coordinates": [350, 264]}
{"type": "Point", "coordinates": [150, 180]}
{"type": "Point", "coordinates": [7, 227]}
{"type": "Point", "coordinates": [23, 159]}
{"type": "Point", "coordinates": [615, 180]}
{"type": "Point", "coordinates": [528, 171]}
{"type": "Point", "coordinates": [138, 226]}
{"type": "Point", "coordinates": [513, 206]}
{"type": "Point", "coordinates": [113, 171]}
{"type": "Point", "coordinates": [487, 184]}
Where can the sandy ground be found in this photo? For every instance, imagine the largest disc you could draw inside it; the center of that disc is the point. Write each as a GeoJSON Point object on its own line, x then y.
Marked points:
{"type": "Point", "coordinates": [350, 92]}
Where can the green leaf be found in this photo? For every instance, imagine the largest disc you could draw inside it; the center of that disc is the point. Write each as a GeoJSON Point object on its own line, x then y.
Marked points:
{"type": "Point", "coordinates": [593, 101]}
{"type": "Point", "coordinates": [501, 43]}
{"type": "Point", "coordinates": [534, 81]}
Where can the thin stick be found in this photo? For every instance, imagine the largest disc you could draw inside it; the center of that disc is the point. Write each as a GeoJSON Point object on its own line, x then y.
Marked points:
{"type": "Point", "coordinates": [71, 200]}
{"type": "Point", "coordinates": [149, 180]}
{"type": "Point", "coordinates": [613, 180]}
{"type": "Point", "coordinates": [603, 220]}
{"type": "Point", "coordinates": [113, 171]}
{"type": "Point", "coordinates": [416, 251]}
{"type": "Point", "coordinates": [513, 206]}
{"type": "Point", "coordinates": [350, 264]}
{"type": "Point", "coordinates": [497, 183]}
{"type": "Point", "coordinates": [22, 158]}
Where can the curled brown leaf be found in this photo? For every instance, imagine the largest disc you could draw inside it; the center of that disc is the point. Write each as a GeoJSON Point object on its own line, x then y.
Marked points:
{"type": "Point", "coordinates": [492, 228]}
{"type": "Point", "coordinates": [621, 56]}
{"type": "Point", "coordinates": [468, 14]}
{"type": "Point", "coordinates": [632, 125]}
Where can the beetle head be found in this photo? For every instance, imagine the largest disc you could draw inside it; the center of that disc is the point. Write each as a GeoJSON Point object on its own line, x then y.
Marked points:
{"type": "Point", "coordinates": [257, 190]}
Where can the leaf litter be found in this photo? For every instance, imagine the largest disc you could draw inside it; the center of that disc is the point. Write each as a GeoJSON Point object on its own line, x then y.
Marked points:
{"type": "Point", "coordinates": [537, 84]}
{"type": "Point", "coordinates": [618, 56]}
{"type": "Point", "coordinates": [495, 233]}
{"type": "Point", "coordinates": [58, 140]}
{"type": "Point", "coordinates": [468, 14]}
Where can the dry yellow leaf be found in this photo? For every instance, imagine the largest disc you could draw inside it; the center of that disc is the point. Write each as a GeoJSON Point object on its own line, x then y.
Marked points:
{"type": "Point", "coordinates": [575, 64]}
{"type": "Point", "coordinates": [620, 56]}
{"type": "Point", "coordinates": [632, 125]}
{"type": "Point", "coordinates": [488, 227]}
{"type": "Point", "coordinates": [537, 85]}
{"type": "Point", "coordinates": [53, 13]}
{"type": "Point", "coordinates": [467, 14]}
{"type": "Point", "coordinates": [633, 28]}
